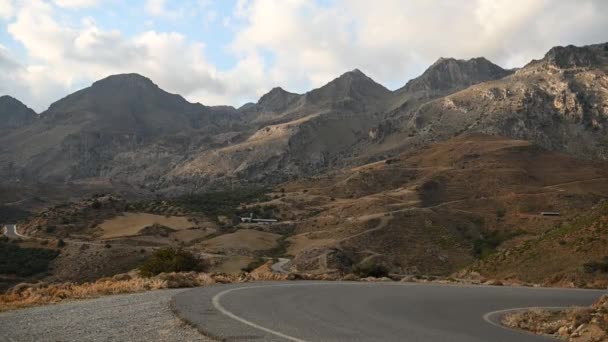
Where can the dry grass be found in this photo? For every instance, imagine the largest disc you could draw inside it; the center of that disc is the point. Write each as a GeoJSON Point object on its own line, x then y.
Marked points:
{"type": "Point", "coordinates": [243, 239]}
{"type": "Point", "coordinates": [130, 224]}
{"type": "Point", "coordinates": [264, 272]}
{"type": "Point", "coordinates": [575, 325]}
{"type": "Point", "coordinates": [25, 295]}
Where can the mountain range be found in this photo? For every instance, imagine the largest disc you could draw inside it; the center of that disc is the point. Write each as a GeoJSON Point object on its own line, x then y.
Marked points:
{"type": "Point", "coordinates": [125, 130]}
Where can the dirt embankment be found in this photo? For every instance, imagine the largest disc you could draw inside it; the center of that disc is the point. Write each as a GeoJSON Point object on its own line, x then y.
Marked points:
{"type": "Point", "coordinates": [575, 325]}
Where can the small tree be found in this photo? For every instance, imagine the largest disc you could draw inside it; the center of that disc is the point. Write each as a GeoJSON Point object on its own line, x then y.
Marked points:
{"type": "Point", "coordinates": [171, 260]}
{"type": "Point", "coordinates": [500, 213]}
{"type": "Point", "coordinates": [369, 269]}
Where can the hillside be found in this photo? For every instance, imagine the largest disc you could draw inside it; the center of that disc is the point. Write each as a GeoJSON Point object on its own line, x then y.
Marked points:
{"type": "Point", "coordinates": [437, 209]}
{"type": "Point", "coordinates": [558, 102]}
{"type": "Point", "coordinates": [573, 254]}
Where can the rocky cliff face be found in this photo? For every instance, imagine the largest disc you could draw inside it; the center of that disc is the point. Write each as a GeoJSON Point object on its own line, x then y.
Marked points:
{"type": "Point", "coordinates": [559, 102]}
{"type": "Point", "coordinates": [449, 74]}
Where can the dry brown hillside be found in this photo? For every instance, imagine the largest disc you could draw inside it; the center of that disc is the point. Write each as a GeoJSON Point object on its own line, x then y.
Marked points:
{"type": "Point", "coordinates": [573, 253]}
{"type": "Point", "coordinates": [437, 209]}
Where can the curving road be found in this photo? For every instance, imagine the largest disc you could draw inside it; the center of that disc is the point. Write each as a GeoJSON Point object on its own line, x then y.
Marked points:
{"type": "Point", "coordinates": [279, 266]}
{"type": "Point", "coordinates": [350, 311]}
{"type": "Point", "coordinates": [10, 230]}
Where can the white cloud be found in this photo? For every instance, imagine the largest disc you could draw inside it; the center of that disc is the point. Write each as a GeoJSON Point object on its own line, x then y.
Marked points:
{"type": "Point", "coordinates": [7, 9]}
{"type": "Point", "coordinates": [158, 8]}
{"type": "Point", "coordinates": [62, 57]}
{"type": "Point", "coordinates": [295, 44]}
{"type": "Point", "coordinates": [394, 40]}
{"type": "Point", "coordinates": [76, 3]}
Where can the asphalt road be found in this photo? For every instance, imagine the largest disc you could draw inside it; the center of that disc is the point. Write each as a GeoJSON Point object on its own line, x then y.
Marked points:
{"type": "Point", "coordinates": [10, 230]}
{"type": "Point", "coordinates": [350, 311]}
{"type": "Point", "coordinates": [278, 267]}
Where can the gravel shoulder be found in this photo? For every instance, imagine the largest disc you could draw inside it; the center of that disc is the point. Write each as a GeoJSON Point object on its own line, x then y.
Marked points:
{"type": "Point", "coordinates": [131, 317]}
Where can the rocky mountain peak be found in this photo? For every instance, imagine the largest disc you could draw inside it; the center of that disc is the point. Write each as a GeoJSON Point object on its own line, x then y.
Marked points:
{"type": "Point", "coordinates": [354, 85]}
{"type": "Point", "coordinates": [567, 57]}
{"type": "Point", "coordinates": [14, 114]}
{"type": "Point", "coordinates": [276, 99]}
{"type": "Point", "coordinates": [125, 81]}
{"type": "Point", "coordinates": [450, 73]}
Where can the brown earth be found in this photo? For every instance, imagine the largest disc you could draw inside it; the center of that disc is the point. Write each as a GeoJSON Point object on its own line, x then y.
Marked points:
{"type": "Point", "coordinates": [438, 209]}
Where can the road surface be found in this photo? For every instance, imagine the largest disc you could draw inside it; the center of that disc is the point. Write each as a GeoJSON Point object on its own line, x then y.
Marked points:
{"type": "Point", "coordinates": [132, 317]}
{"type": "Point", "coordinates": [351, 311]}
{"type": "Point", "coordinates": [10, 230]}
{"type": "Point", "coordinates": [278, 267]}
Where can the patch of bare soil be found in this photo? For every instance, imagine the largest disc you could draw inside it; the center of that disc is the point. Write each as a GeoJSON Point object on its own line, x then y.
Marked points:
{"type": "Point", "coordinates": [129, 224]}
{"type": "Point", "coordinates": [241, 242]}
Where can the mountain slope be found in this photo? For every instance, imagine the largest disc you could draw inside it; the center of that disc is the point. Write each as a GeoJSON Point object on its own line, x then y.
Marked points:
{"type": "Point", "coordinates": [125, 129]}
{"type": "Point", "coordinates": [14, 114]}
{"type": "Point", "coordinates": [571, 254]}
{"type": "Point", "coordinates": [559, 102]}
{"type": "Point", "coordinates": [437, 209]}
{"type": "Point", "coordinates": [308, 134]}
{"type": "Point", "coordinates": [123, 125]}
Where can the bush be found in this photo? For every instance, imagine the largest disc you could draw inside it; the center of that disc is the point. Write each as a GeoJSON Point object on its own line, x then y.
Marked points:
{"type": "Point", "coordinates": [500, 213]}
{"type": "Point", "coordinates": [487, 244]}
{"type": "Point", "coordinates": [171, 260]}
{"type": "Point", "coordinates": [253, 265]}
{"type": "Point", "coordinates": [597, 266]}
{"type": "Point", "coordinates": [24, 262]}
{"type": "Point", "coordinates": [60, 243]}
{"type": "Point", "coordinates": [368, 269]}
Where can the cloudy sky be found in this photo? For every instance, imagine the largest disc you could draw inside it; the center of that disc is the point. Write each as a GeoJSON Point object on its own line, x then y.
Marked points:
{"type": "Point", "coordinates": [233, 51]}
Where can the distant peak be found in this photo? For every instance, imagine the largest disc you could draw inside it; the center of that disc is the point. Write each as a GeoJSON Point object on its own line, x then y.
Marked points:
{"type": "Point", "coordinates": [449, 73]}
{"type": "Point", "coordinates": [355, 73]}
{"type": "Point", "coordinates": [7, 100]}
{"type": "Point", "coordinates": [131, 79]}
{"type": "Point", "coordinates": [574, 56]}
{"type": "Point", "coordinates": [276, 98]}
{"type": "Point", "coordinates": [278, 90]}
{"type": "Point", "coordinates": [474, 60]}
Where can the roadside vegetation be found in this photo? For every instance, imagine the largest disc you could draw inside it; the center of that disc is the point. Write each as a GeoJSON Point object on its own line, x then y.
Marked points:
{"type": "Point", "coordinates": [487, 243]}
{"type": "Point", "coordinates": [253, 265]}
{"type": "Point", "coordinates": [24, 262]}
{"type": "Point", "coordinates": [576, 324]}
{"type": "Point", "coordinates": [367, 269]}
{"type": "Point", "coordinates": [168, 260]}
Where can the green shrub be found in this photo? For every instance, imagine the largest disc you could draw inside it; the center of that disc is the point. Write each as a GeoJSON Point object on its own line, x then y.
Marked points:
{"type": "Point", "coordinates": [597, 266]}
{"type": "Point", "coordinates": [171, 260]}
{"type": "Point", "coordinates": [253, 265]}
{"type": "Point", "coordinates": [487, 244]}
{"type": "Point", "coordinates": [369, 269]}
{"type": "Point", "coordinates": [500, 213]}
{"type": "Point", "coordinates": [221, 203]}
{"type": "Point", "coordinates": [24, 262]}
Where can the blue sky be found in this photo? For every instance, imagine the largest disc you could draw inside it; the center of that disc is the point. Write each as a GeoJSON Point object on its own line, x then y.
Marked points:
{"type": "Point", "coordinates": [233, 51]}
